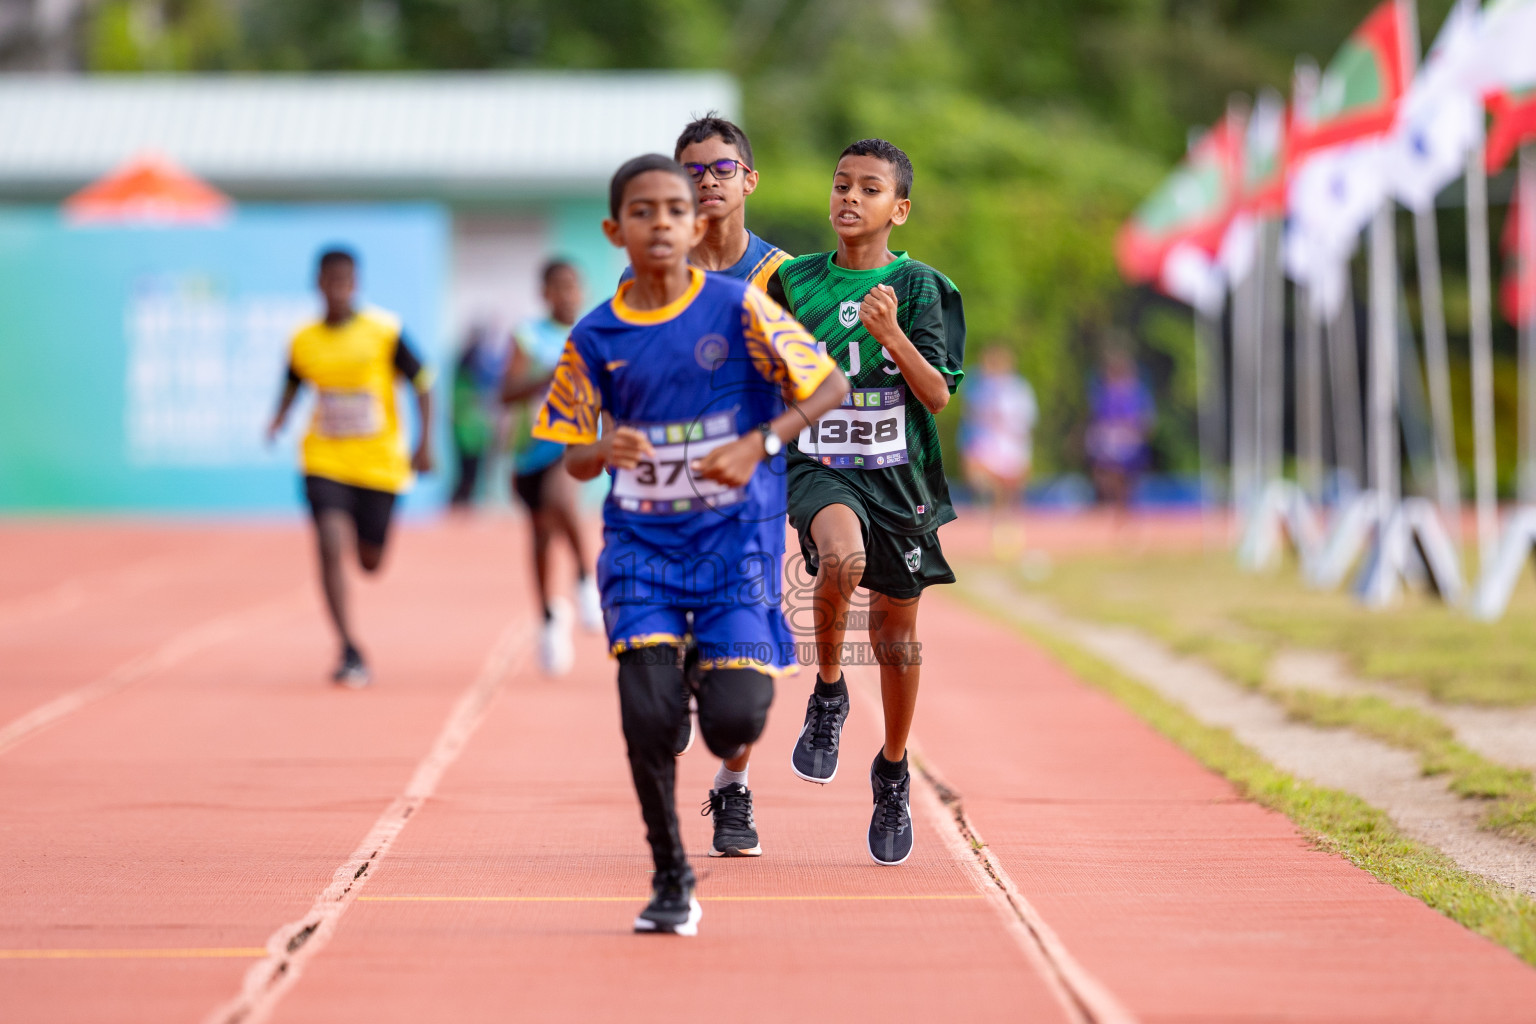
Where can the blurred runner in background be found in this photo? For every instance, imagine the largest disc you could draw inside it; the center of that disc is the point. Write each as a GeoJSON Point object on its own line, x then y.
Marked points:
{"type": "Point", "coordinates": [354, 452]}
{"type": "Point", "coordinates": [476, 409]}
{"type": "Point", "coordinates": [1121, 413]}
{"type": "Point", "coordinates": [996, 442]}
{"type": "Point", "coordinates": [539, 478]}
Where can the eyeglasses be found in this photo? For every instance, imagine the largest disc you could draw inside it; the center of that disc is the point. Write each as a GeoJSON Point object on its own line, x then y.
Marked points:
{"type": "Point", "coordinates": [721, 169]}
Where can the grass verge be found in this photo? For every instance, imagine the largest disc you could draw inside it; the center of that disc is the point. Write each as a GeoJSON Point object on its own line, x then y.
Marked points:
{"type": "Point", "coordinates": [1207, 606]}
{"type": "Point", "coordinates": [1333, 821]}
{"type": "Point", "coordinates": [1210, 610]}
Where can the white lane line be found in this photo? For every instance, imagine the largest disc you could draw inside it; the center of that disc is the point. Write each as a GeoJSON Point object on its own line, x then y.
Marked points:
{"type": "Point", "coordinates": [1085, 999]}
{"type": "Point", "coordinates": [293, 945]}
{"type": "Point", "coordinates": [169, 654]}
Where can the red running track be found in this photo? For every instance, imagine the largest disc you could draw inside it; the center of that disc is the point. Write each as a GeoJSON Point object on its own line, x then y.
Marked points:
{"type": "Point", "coordinates": [460, 842]}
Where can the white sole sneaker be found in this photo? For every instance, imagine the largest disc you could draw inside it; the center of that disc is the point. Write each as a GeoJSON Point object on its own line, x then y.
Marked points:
{"type": "Point", "coordinates": [689, 927]}
{"type": "Point", "coordinates": [590, 603]}
{"type": "Point", "coordinates": [556, 653]}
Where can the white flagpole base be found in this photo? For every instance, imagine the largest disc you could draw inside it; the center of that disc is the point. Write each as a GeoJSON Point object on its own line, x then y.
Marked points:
{"type": "Point", "coordinates": [1497, 584]}
{"type": "Point", "coordinates": [1282, 512]}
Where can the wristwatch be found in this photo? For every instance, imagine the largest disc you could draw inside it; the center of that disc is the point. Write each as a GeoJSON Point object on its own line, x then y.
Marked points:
{"type": "Point", "coordinates": [771, 443]}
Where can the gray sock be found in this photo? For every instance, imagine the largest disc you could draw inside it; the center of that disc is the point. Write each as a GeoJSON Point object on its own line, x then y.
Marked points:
{"type": "Point", "coordinates": [724, 777]}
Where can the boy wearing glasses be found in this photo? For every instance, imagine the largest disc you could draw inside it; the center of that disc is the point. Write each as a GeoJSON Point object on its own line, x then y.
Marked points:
{"type": "Point", "coordinates": [717, 155]}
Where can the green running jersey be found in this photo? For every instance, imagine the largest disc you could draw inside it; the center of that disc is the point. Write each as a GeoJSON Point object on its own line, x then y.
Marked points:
{"type": "Point", "coordinates": [883, 440]}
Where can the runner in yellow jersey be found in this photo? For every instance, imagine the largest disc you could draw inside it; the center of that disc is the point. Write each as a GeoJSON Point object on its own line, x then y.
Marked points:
{"type": "Point", "coordinates": [354, 454]}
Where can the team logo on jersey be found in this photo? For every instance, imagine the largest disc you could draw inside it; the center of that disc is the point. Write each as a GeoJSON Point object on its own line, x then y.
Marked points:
{"type": "Point", "coordinates": [914, 559]}
{"type": "Point", "coordinates": [848, 314]}
{"type": "Point", "coordinates": [921, 509]}
{"type": "Point", "coordinates": [710, 351]}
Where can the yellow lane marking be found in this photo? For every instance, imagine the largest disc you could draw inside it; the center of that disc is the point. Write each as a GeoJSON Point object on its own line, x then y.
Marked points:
{"type": "Point", "coordinates": [134, 954]}
{"type": "Point", "coordinates": [642, 896]}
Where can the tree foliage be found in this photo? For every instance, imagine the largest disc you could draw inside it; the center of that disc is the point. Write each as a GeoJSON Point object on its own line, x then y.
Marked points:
{"type": "Point", "coordinates": [1034, 127]}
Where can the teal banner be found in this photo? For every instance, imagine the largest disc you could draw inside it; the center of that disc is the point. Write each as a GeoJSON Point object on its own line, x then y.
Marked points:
{"type": "Point", "coordinates": [139, 366]}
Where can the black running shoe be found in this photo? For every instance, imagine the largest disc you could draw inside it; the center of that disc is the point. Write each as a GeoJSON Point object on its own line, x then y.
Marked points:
{"type": "Point", "coordinates": [351, 672]}
{"type": "Point", "coordinates": [890, 830]}
{"type": "Point", "coordinates": [673, 908]}
{"type": "Point", "coordinates": [735, 829]}
{"type": "Point", "coordinates": [814, 758]}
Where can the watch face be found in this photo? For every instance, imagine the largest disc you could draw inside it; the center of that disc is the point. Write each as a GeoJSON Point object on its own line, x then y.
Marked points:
{"type": "Point", "coordinates": [771, 443]}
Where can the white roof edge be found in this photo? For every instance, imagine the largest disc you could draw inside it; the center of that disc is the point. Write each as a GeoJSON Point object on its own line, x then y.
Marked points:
{"type": "Point", "coordinates": [521, 128]}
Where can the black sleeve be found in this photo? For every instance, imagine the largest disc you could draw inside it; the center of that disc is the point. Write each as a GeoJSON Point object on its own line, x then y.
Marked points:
{"type": "Point", "coordinates": [775, 290]}
{"type": "Point", "coordinates": [294, 380]}
{"type": "Point", "coordinates": [406, 362]}
{"type": "Point", "coordinates": [938, 332]}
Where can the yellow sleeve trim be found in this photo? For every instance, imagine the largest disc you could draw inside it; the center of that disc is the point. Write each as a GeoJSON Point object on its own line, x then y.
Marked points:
{"type": "Point", "coordinates": [571, 413]}
{"type": "Point", "coordinates": [782, 350]}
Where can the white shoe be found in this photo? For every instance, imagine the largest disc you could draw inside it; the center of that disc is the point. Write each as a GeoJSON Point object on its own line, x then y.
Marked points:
{"type": "Point", "coordinates": [556, 654]}
{"type": "Point", "coordinates": [591, 604]}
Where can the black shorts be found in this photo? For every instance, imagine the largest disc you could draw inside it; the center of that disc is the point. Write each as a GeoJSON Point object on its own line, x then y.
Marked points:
{"type": "Point", "coordinates": [529, 487]}
{"type": "Point", "coordinates": [896, 565]}
{"type": "Point", "coordinates": [370, 510]}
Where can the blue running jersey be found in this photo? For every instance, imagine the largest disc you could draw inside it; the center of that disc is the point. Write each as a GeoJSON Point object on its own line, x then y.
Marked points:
{"type": "Point", "coordinates": [755, 267]}
{"type": "Point", "coordinates": [708, 368]}
{"type": "Point", "coordinates": [542, 340]}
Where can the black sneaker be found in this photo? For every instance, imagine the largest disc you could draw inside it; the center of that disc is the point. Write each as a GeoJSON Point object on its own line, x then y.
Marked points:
{"type": "Point", "coordinates": [814, 758]}
{"type": "Point", "coordinates": [673, 908]}
{"type": "Point", "coordinates": [890, 830]}
{"type": "Point", "coordinates": [685, 730]}
{"type": "Point", "coordinates": [351, 672]}
{"type": "Point", "coordinates": [735, 830]}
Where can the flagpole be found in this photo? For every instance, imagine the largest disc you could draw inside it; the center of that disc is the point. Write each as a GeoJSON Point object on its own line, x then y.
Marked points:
{"type": "Point", "coordinates": [1309, 395]}
{"type": "Point", "coordinates": [1383, 359]}
{"type": "Point", "coordinates": [1208, 398]}
{"type": "Point", "coordinates": [1478, 293]}
{"type": "Point", "coordinates": [1437, 366]}
{"type": "Point", "coordinates": [1272, 350]}
{"type": "Point", "coordinates": [1347, 422]}
{"type": "Point", "coordinates": [1242, 396]}
{"type": "Point", "coordinates": [1244, 407]}
{"type": "Point", "coordinates": [1525, 322]}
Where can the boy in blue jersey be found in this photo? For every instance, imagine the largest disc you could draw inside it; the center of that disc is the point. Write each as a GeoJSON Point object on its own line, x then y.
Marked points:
{"type": "Point", "coordinates": [717, 155]}
{"type": "Point", "coordinates": [677, 387]}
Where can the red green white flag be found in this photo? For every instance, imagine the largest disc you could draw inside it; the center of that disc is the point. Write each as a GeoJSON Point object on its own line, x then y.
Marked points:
{"type": "Point", "coordinates": [1514, 123]}
{"type": "Point", "coordinates": [1190, 208]}
{"type": "Point", "coordinates": [1359, 91]}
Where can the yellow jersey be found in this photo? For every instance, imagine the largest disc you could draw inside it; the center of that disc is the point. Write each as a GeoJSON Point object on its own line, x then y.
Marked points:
{"type": "Point", "coordinates": [355, 435]}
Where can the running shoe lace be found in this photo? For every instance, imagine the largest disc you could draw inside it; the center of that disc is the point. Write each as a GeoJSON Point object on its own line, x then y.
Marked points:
{"type": "Point", "coordinates": [891, 806]}
{"type": "Point", "coordinates": [734, 810]}
{"type": "Point", "coordinates": [826, 726]}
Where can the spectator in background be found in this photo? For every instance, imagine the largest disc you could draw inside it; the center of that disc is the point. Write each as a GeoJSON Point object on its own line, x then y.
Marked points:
{"type": "Point", "coordinates": [1121, 413]}
{"type": "Point", "coordinates": [476, 408]}
{"type": "Point", "coordinates": [996, 442]}
{"type": "Point", "coordinates": [539, 476]}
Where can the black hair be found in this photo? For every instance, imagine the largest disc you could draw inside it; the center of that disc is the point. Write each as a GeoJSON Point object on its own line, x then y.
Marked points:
{"type": "Point", "coordinates": [337, 254]}
{"type": "Point", "coordinates": [632, 169]}
{"type": "Point", "coordinates": [553, 267]}
{"type": "Point", "coordinates": [892, 155]}
{"type": "Point", "coordinates": [713, 126]}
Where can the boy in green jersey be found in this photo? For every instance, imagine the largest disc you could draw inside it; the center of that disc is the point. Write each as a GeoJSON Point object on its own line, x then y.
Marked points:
{"type": "Point", "coordinates": [866, 482]}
